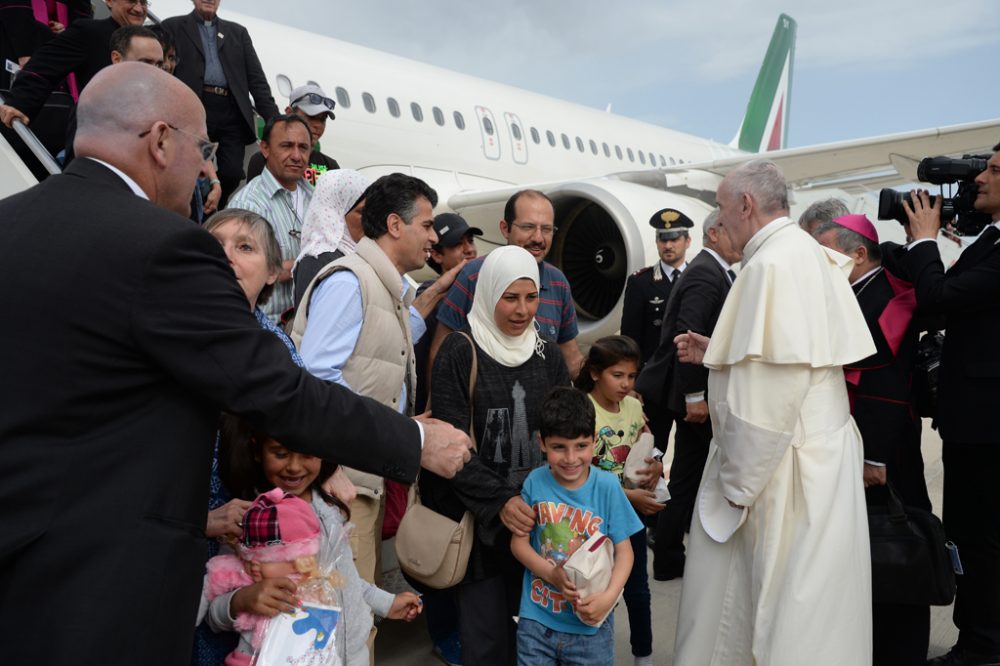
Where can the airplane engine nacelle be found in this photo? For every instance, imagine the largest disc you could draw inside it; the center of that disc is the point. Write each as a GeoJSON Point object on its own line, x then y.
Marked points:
{"type": "Point", "coordinates": [603, 237]}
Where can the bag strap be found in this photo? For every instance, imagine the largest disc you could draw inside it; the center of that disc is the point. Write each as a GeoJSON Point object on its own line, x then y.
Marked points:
{"type": "Point", "coordinates": [413, 495]}
{"type": "Point", "coordinates": [896, 511]}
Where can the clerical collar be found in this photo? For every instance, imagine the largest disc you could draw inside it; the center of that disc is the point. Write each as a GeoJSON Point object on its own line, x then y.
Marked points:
{"type": "Point", "coordinates": [722, 262]}
{"type": "Point", "coordinates": [867, 275]}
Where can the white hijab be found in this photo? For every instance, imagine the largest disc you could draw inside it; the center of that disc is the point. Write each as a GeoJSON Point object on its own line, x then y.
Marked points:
{"type": "Point", "coordinates": [502, 267]}
{"type": "Point", "coordinates": [325, 226]}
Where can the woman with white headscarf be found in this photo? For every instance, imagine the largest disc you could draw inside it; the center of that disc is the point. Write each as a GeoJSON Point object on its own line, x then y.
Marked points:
{"type": "Point", "coordinates": [332, 226]}
{"type": "Point", "coordinates": [515, 370]}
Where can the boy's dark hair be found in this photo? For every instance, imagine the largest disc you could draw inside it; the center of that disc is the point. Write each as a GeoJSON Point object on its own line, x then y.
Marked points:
{"type": "Point", "coordinates": [567, 412]}
{"type": "Point", "coordinates": [166, 39]}
{"type": "Point", "coordinates": [285, 118]}
{"type": "Point", "coordinates": [605, 353]}
{"type": "Point", "coordinates": [121, 39]}
{"type": "Point", "coordinates": [241, 470]}
{"type": "Point", "coordinates": [396, 193]}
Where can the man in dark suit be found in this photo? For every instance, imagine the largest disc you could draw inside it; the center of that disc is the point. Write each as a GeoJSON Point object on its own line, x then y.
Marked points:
{"type": "Point", "coordinates": [884, 408]}
{"type": "Point", "coordinates": [968, 295]}
{"type": "Point", "coordinates": [218, 62]}
{"type": "Point", "coordinates": [647, 292]}
{"type": "Point", "coordinates": [112, 393]}
{"type": "Point", "coordinates": [84, 48]}
{"type": "Point", "coordinates": [678, 389]}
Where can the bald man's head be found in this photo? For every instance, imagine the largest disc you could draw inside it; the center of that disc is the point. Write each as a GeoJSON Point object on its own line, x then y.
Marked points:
{"type": "Point", "coordinates": [148, 124]}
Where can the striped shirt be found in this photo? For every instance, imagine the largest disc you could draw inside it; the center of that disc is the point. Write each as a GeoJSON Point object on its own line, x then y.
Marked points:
{"type": "Point", "coordinates": [556, 315]}
{"type": "Point", "coordinates": [265, 196]}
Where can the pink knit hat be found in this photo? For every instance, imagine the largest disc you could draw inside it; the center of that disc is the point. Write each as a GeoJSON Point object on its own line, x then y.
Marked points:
{"type": "Point", "coordinates": [279, 527]}
{"type": "Point", "coordinates": [859, 224]}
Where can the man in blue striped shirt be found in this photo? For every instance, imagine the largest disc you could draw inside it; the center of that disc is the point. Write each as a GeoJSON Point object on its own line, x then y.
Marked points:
{"type": "Point", "coordinates": [281, 195]}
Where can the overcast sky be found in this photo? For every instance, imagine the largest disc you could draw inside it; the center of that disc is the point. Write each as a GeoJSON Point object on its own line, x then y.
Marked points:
{"type": "Point", "coordinates": [862, 68]}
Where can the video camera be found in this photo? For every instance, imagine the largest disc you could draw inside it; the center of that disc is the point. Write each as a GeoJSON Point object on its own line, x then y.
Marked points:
{"type": "Point", "coordinates": [944, 171]}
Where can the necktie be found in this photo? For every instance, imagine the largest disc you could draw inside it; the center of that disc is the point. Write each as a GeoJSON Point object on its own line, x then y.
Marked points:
{"type": "Point", "coordinates": [674, 273]}
{"type": "Point", "coordinates": [732, 275]}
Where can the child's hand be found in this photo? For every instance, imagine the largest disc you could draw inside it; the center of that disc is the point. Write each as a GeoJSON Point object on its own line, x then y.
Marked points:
{"type": "Point", "coordinates": [651, 474]}
{"type": "Point", "coordinates": [406, 606]}
{"type": "Point", "coordinates": [595, 606]}
{"type": "Point", "coordinates": [644, 501]}
{"type": "Point", "coordinates": [559, 579]}
{"type": "Point", "coordinates": [268, 597]}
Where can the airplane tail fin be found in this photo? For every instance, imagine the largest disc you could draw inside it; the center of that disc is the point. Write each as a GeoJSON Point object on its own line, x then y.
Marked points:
{"type": "Point", "coordinates": [765, 124]}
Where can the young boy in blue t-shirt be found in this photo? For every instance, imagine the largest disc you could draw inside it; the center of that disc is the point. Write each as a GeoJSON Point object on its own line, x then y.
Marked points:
{"type": "Point", "coordinates": [571, 501]}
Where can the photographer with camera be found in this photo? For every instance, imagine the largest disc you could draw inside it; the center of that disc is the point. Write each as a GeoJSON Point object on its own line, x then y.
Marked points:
{"type": "Point", "coordinates": [968, 296]}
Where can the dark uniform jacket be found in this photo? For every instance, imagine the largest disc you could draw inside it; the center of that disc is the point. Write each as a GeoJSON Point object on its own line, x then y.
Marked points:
{"type": "Point", "coordinates": [646, 294]}
{"type": "Point", "coordinates": [968, 295]}
{"type": "Point", "coordinates": [882, 401]}
{"type": "Point", "coordinates": [21, 34]}
{"type": "Point", "coordinates": [244, 74]}
{"type": "Point", "coordinates": [127, 349]}
{"type": "Point", "coordinates": [694, 305]}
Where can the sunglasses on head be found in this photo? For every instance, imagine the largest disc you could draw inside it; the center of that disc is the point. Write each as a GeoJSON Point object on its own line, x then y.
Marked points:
{"type": "Point", "coordinates": [315, 98]}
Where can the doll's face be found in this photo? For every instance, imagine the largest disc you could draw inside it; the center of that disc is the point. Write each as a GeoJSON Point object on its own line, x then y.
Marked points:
{"type": "Point", "coordinates": [303, 567]}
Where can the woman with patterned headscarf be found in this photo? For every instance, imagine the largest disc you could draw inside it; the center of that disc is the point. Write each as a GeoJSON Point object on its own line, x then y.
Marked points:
{"type": "Point", "coordinates": [333, 224]}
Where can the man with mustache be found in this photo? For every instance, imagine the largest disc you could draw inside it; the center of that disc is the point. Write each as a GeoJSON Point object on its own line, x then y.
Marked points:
{"type": "Point", "coordinates": [528, 222]}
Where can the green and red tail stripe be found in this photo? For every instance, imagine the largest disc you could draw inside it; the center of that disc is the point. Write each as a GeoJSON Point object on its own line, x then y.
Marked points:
{"type": "Point", "coordinates": [765, 124]}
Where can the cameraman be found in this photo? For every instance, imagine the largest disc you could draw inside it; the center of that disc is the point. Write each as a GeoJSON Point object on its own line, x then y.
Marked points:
{"type": "Point", "coordinates": [968, 296]}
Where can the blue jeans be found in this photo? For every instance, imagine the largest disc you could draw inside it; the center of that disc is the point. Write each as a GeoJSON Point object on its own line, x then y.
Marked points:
{"type": "Point", "coordinates": [638, 601]}
{"type": "Point", "coordinates": [537, 645]}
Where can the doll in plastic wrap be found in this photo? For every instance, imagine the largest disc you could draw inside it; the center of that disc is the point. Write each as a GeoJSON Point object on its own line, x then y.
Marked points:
{"type": "Point", "coordinates": [294, 586]}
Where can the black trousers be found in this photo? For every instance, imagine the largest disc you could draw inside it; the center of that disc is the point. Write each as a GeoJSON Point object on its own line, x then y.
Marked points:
{"type": "Point", "coordinates": [661, 420]}
{"type": "Point", "coordinates": [690, 452]}
{"type": "Point", "coordinates": [972, 521]}
{"type": "Point", "coordinates": [901, 634]}
{"type": "Point", "coordinates": [226, 126]}
{"type": "Point", "coordinates": [485, 619]}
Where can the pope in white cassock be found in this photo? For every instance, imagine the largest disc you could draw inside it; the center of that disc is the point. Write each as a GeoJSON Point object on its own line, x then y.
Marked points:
{"type": "Point", "coordinates": [778, 568]}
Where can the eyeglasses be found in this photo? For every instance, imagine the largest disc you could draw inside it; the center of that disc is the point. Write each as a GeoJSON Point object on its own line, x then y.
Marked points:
{"type": "Point", "coordinates": [546, 229]}
{"type": "Point", "coordinates": [314, 98]}
{"type": "Point", "coordinates": [206, 147]}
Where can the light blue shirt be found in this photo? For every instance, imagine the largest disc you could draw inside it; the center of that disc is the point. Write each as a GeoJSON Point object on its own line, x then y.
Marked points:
{"type": "Point", "coordinates": [214, 76]}
{"type": "Point", "coordinates": [334, 326]}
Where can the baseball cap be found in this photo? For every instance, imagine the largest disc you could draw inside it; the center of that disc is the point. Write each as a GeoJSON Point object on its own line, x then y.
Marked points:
{"type": "Point", "coordinates": [311, 99]}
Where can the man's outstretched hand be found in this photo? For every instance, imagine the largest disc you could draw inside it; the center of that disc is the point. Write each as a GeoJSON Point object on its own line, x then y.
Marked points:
{"type": "Point", "coordinates": [446, 448]}
{"type": "Point", "coordinates": [691, 347]}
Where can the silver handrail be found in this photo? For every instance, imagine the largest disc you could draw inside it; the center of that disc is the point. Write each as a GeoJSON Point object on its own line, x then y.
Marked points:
{"type": "Point", "coordinates": [34, 145]}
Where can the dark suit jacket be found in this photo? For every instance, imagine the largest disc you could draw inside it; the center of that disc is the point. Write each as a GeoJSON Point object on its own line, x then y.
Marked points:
{"type": "Point", "coordinates": [239, 62]}
{"type": "Point", "coordinates": [646, 294]}
{"type": "Point", "coordinates": [694, 305]}
{"type": "Point", "coordinates": [132, 335]}
{"type": "Point", "coordinates": [84, 48]}
{"type": "Point", "coordinates": [968, 295]}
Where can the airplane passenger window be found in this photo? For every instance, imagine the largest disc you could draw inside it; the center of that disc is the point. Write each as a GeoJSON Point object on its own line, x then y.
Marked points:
{"type": "Point", "coordinates": [618, 151]}
{"type": "Point", "coordinates": [515, 129]}
{"type": "Point", "coordinates": [551, 137]}
{"type": "Point", "coordinates": [672, 162]}
{"type": "Point", "coordinates": [418, 113]}
{"type": "Point", "coordinates": [642, 157]}
{"type": "Point", "coordinates": [652, 159]}
{"type": "Point", "coordinates": [459, 121]}
{"type": "Point", "coordinates": [343, 99]}
{"type": "Point", "coordinates": [438, 116]}
{"type": "Point", "coordinates": [607, 151]}
{"type": "Point", "coordinates": [369, 102]}
{"type": "Point", "coordinates": [393, 107]}
{"type": "Point", "coordinates": [565, 141]}
{"type": "Point", "coordinates": [579, 144]}
{"type": "Point", "coordinates": [631, 155]}
{"type": "Point", "coordinates": [488, 126]}
{"type": "Point", "coordinates": [593, 147]}
{"type": "Point", "coordinates": [663, 161]}
{"type": "Point", "coordinates": [534, 136]}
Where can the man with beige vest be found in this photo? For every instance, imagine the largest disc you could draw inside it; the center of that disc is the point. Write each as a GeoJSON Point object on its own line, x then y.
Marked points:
{"type": "Point", "coordinates": [360, 323]}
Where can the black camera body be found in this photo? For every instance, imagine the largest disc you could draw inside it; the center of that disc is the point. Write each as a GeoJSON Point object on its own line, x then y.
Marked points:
{"type": "Point", "coordinates": [944, 171]}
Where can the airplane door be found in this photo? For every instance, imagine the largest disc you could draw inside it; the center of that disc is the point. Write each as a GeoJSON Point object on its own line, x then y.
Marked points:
{"type": "Point", "coordinates": [519, 145]}
{"type": "Point", "coordinates": [489, 132]}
